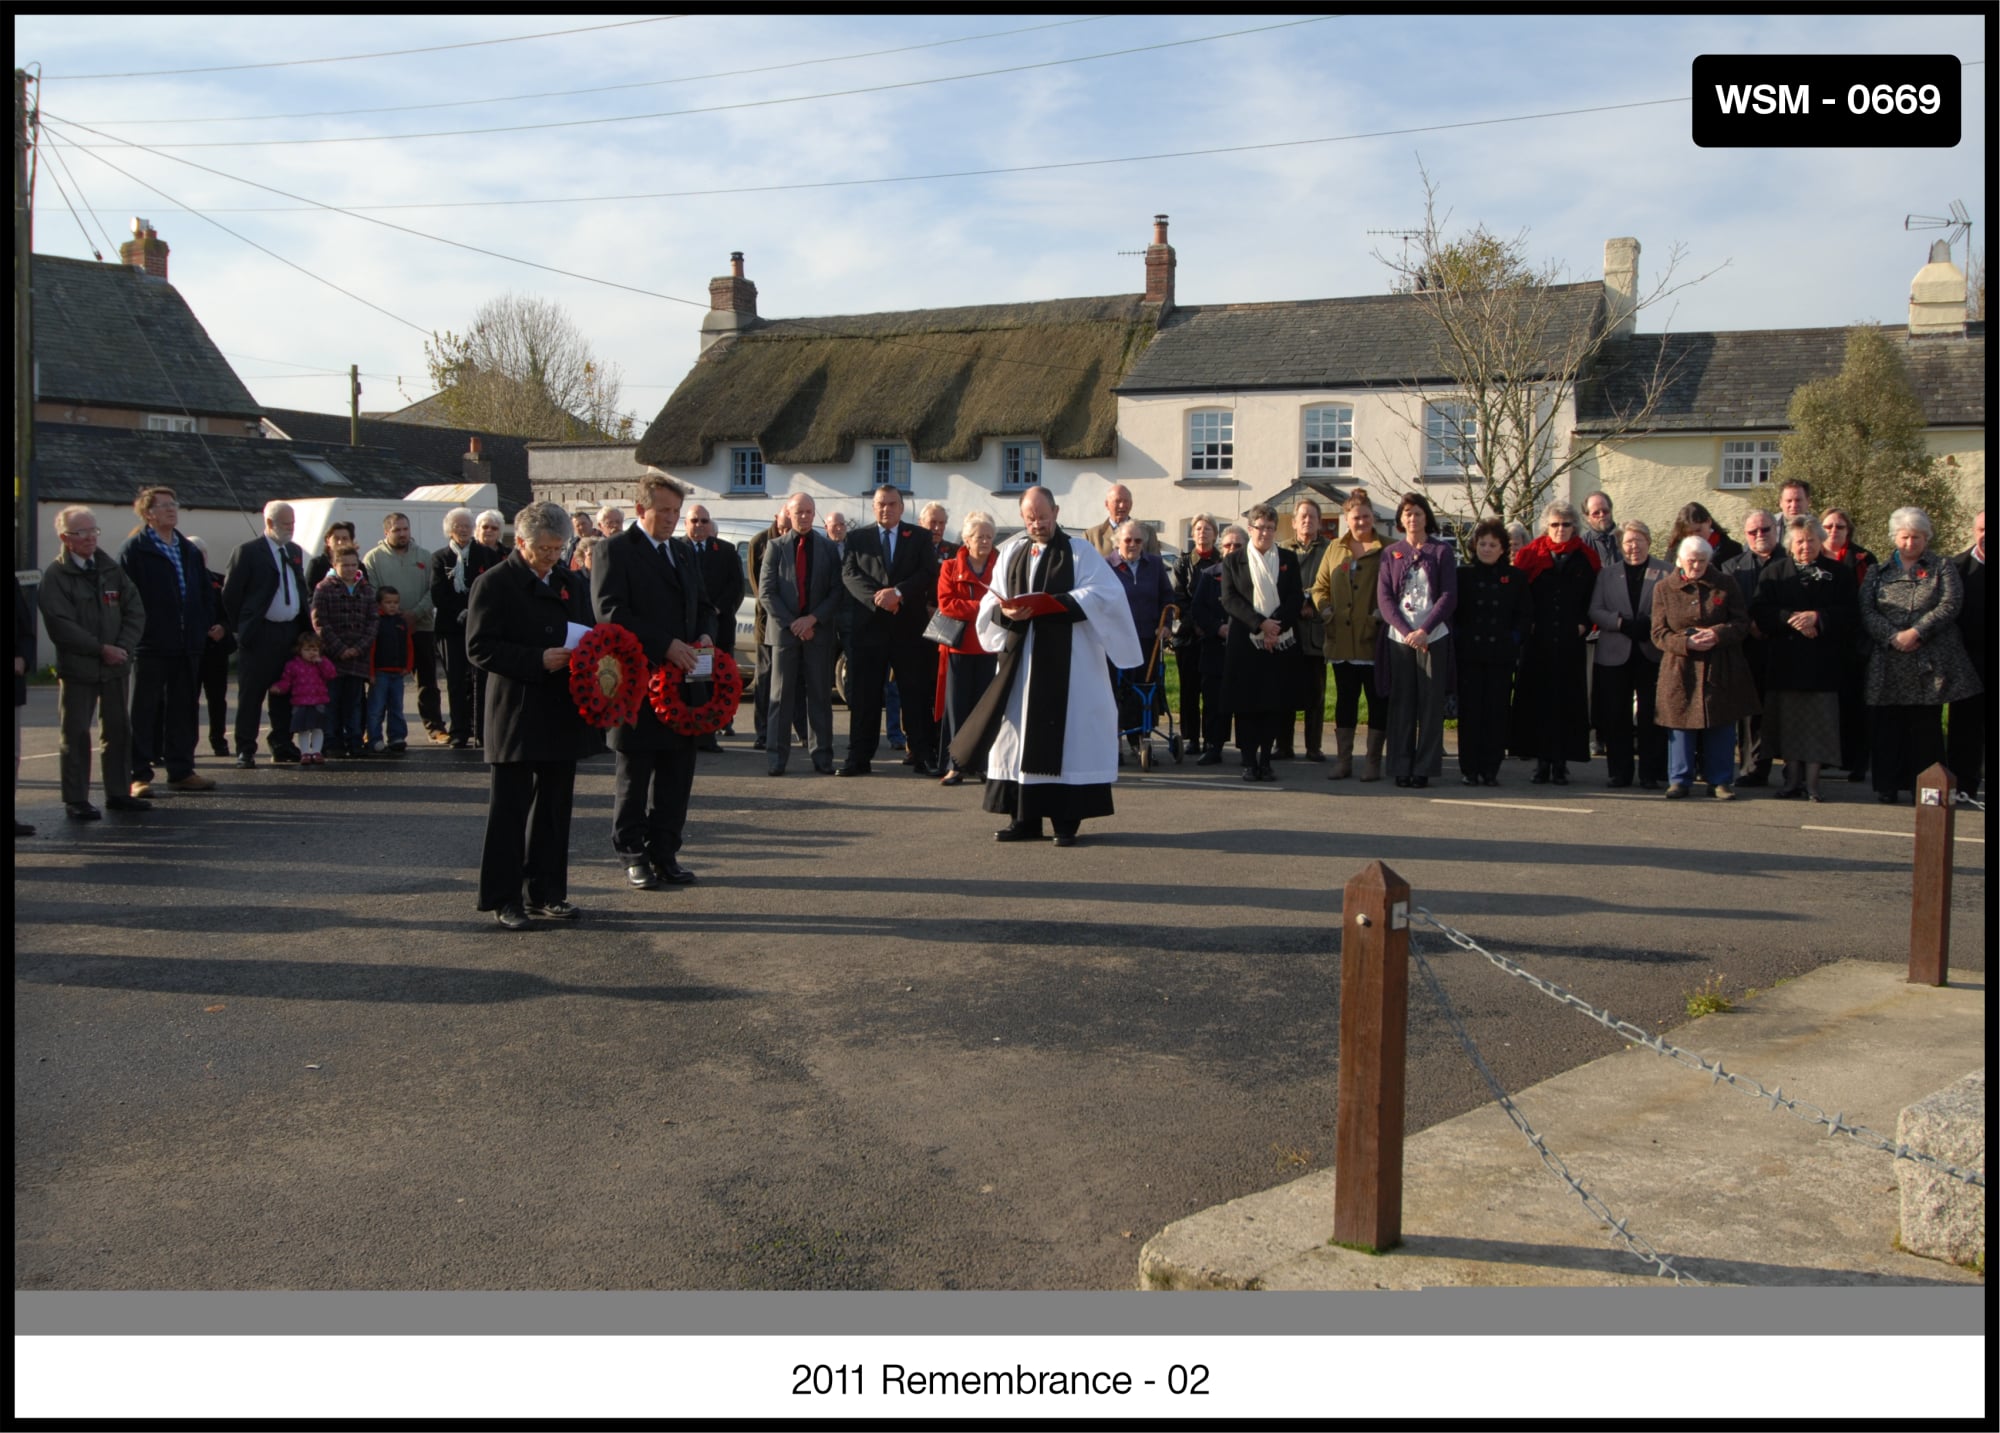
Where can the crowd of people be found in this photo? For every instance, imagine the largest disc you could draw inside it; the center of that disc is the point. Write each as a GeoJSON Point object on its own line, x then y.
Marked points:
{"type": "Point", "coordinates": [1761, 663]}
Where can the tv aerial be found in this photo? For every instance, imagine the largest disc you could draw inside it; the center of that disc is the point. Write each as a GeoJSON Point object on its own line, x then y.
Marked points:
{"type": "Point", "coordinates": [1958, 224]}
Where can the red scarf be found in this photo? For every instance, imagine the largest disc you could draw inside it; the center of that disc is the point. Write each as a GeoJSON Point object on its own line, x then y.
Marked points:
{"type": "Point", "coordinates": [1540, 555]}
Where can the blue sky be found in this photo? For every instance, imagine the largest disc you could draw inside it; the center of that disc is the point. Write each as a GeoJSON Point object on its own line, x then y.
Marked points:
{"type": "Point", "coordinates": [1801, 237]}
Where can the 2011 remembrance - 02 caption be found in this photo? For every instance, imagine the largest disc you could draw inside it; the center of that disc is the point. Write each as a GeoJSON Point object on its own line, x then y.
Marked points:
{"type": "Point", "coordinates": [900, 1380]}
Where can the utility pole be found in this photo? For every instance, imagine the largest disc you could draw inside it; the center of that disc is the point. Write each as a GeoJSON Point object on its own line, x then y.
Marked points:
{"type": "Point", "coordinates": [24, 345]}
{"type": "Point", "coordinates": [353, 405]}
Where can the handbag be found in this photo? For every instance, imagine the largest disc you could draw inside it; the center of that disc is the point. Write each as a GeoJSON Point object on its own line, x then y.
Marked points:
{"type": "Point", "coordinates": [943, 630]}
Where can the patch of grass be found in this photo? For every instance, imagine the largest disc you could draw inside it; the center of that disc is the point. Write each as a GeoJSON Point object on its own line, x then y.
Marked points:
{"type": "Point", "coordinates": [1290, 1158]}
{"type": "Point", "coordinates": [1360, 1248]}
{"type": "Point", "coordinates": [1707, 998]}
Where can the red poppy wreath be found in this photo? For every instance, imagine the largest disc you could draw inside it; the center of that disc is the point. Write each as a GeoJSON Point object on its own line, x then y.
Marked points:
{"type": "Point", "coordinates": [607, 676]}
{"type": "Point", "coordinates": [670, 703]}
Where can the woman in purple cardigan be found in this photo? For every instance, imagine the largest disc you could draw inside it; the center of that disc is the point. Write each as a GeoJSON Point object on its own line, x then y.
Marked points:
{"type": "Point", "coordinates": [1416, 592]}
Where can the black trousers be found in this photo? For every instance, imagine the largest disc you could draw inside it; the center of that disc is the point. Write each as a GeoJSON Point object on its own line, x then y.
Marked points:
{"type": "Point", "coordinates": [1965, 743]}
{"type": "Point", "coordinates": [214, 679]}
{"type": "Point", "coordinates": [868, 669]}
{"type": "Point", "coordinates": [424, 655]}
{"type": "Point", "coordinates": [458, 684]}
{"type": "Point", "coordinates": [1906, 741]}
{"type": "Point", "coordinates": [1633, 684]}
{"type": "Point", "coordinates": [1351, 680]}
{"type": "Point", "coordinates": [1214, 706]}
{"type": "Point", "coordinates": [164, 710]}
{"type": "Point", "coordinates": [260, 660]}
{"type": "Point", "coordinates": [650, 803]}
{"type": "Point", "coordinates": [1312, 693]}
{"type": "Point", "coordinates": [1188, 666]}
{"type": "Point", "coordinates": [1484, 692]}
{"type": "Point", "coordinates": [526, 851]}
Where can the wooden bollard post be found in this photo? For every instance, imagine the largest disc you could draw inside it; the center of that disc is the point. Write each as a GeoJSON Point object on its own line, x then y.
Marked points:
{"type": "Point", "coordinates": [1930, 883]}
{"type": "Point", "coordinates": [1368, 1105]}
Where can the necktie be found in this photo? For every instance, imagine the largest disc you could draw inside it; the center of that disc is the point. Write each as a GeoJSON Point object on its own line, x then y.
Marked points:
{"type": "Point", "coordinates": [284, 578]}
{"type": "Point", "coordinates": [889, 544]}
{"type": "Point", "coordinates": [667, 553]}
{"type": "Point", "coordinates": [803, 558]}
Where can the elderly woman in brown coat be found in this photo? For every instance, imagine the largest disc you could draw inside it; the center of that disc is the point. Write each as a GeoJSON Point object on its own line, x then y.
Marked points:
{"type": "Point", "coordinates": [1700, 623]}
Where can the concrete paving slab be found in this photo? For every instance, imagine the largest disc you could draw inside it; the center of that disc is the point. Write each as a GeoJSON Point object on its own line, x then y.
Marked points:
{"type": "Point", "coordinates": [1729, 1190]}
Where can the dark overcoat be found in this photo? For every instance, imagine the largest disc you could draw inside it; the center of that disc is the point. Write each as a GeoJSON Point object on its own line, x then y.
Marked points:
{"type": "Point", "coordinates": [1795, 663]}
{"type": "Point", "coordinates": [633, 586]}
{"type": "Point", "coordinates": [512, 618]}
{"type": "Point", "coordinates": [177, 623]}
{"type": "Point", "coordinates": [1259, 681]}
{"type": "Point", "coordinates": [1701, 690]}
{"type": "Point", "coordinates": [1551, 700]}
{"type": "Point", "coordinates": [867, 570]}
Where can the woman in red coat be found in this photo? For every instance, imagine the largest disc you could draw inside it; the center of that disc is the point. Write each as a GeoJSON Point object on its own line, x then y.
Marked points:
{"type": "Point", "coordinates": [967, 667]}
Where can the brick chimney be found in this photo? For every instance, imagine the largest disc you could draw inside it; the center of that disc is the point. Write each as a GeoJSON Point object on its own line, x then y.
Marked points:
{"type": "Point", "coordinates": [732, 304]}
{"type": "Point", "coordinates": [1621, 286]}
{"type": "Point", "coordinates": [1937, 296]}
{"type": "Point", "coordinates": [1160, 267]}
{"type": "Point", "coordinates": [475, 468]}
{"type": "Point", "coordinates": [145, 251]}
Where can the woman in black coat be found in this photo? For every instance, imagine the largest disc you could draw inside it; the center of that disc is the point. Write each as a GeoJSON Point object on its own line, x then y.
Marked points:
{"type": "Point", "coordinates": [1490, 624]}
{"type": "Point", "coordinates": [1211, 625]}
{"type": "Point", "coordinates": [1551, 701]}
{"type": "Point", "coordinates": [516, 631]}
{"type": "Point", "coordinates": [1856, 559]}
{"type": "Point", "coordinates": [1807, 602]}
{"type": "Point", "coordinates": [1262, 595]}
{"type": "Point", "coordinates": [1188, 642]}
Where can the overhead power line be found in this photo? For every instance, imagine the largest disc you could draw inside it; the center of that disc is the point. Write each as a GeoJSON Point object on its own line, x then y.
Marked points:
{"type": "Point", "coordinates": [361, 209]}
{"type": "Point", "coordinates": [376, 55]}
{"type": "Point", "coordinates": [599, 89]}
{"type": "Point", "coordinates": [737, 105]}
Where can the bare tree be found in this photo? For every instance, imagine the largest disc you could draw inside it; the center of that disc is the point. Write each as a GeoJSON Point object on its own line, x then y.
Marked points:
{"type": "Point", "coordinates": [525, 368]}
{"type": "Point", "coordinates": [1511, 344]}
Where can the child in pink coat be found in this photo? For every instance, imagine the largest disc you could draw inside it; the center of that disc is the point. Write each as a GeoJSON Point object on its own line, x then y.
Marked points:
{"type": "Point", "coordinates": [308, 679]}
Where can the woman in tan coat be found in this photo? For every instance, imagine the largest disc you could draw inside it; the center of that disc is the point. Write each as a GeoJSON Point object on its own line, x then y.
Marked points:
{"type": "Point", "coordinates": [1699, 624]}
{"type": "Point", "coordinates": [1344, 593]}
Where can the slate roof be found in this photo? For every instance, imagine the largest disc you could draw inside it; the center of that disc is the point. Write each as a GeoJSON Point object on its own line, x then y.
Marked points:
{"type": "Point", "coordinates": [108, 334]}
{"type": "Point", "coordinates": [106, 467]}
{"type": "Point", "coordinates": [1375, 340]}
{"type": "Point", "coordinates": [435, 448]}
{"type": "Point", "coordinates": [941, 380]}
{"type": "Point", "coordinates": [1743, 381]}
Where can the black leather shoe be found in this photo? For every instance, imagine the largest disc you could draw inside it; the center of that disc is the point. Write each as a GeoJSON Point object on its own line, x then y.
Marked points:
{"type": "Point", "coordinates": [1418, 783]}
{"type": "Point", "coordinates": [1315, 756]}
{"type": "Point", "coordinates": [288, 757]}
{"type": "Point", "coordinates": [82, 811]}
{"type": "Point", "coordinates": [1754, 779]}
{"type": "Point", "coordinates": [671, 873]}
{"type": "Point", "coordinates": [1250, 773]}
{"type": "Point", "coordinates": [776, 768]}
{"type": "Point", "coordinates": [922, 768]}
{"type": "Point", "coordinates": [1066, 841]}
{"type": "Point", "coordinates": [1541, 776]}
{"type": "Point", "coordinates": [220, 748]}
{"type": "Point", "coordinates": [512, 917]}
{"type": "Point", "coordinates": [1857, 777]}
{"type": "Point", "coordinates": [1019, 832]}
{"type": "Point", "coordinates": [823, 765]}
{"type": "Point", "coordinates": [22, 828]}
{"type": "Point", "coordinates": [246, 761]}
{"type": "Point", "coordinates": [1492, 781]}
{"type": "Point", "coordinates": [126, 803]}
{"type": "Point", "coordinates": [1403, 781]}
{"type": "Point", "coordinates": [1618, 783]}
{"type": "Point", "coordinates": [853, 768]}
{"type": "Point", "coordinates": [639, 874]}
{"type": "Point", "coordinates": [1209, 758]}
{"type": "Point", "coordinates": [554, 910]}
{"type": "Point", "coordinates": [1560, 776]}
{"type": "Point", "coordinates": [1468, 781]}
{"type": "Point", "coordinates": [757, 744]}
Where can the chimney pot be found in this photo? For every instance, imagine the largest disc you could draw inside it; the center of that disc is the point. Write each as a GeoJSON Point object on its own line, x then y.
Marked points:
{"type": "Point", "coordinates": [1160, 267]}
{"type": "Point", "coordinates": [1621, 286]}
{"type": "Point", "coordinates": [736, 264]}
{"type": "Point", "coordinates": [144, 250]}
{"type": "Point", "coordinates": [472, 448]}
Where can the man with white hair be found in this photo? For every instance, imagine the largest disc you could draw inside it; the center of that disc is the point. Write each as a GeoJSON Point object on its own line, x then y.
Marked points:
{"type": "Point", "coordinates": [1117, 512]}
{"type": "Point", "coordinates": [95, 617]}
{"type": "Point", "coordinates": [265, 598]}
{"type": "Point", "coordinates": [1761, 549]}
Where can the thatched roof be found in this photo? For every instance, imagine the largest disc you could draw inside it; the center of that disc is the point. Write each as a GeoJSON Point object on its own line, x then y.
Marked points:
{"type": "Point", "coordinates": [941, 380]}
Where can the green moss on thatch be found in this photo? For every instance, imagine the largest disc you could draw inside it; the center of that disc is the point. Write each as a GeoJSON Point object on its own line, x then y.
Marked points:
{"type": "Point", "coordinates": [941, 380]}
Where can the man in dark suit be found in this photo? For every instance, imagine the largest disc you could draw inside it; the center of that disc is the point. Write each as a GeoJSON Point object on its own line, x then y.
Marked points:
{"type": "Point", "coordinates": [722, 576]}
{"type": "Point", "coordinates": [181, 619]}
{"type": "Point", "coordinates": [516, 631]}
{"type": "Point", "coordinates": [649, 582]}
{"type": "Point", "coordinates": [265, 597]}
{"type": "Point", "coordinates": [760, 693]}
{"type": "Point", "coordinates": [890, 575]}
{"type": "Point", "coordinates": [800, 588]}
{"type": "Point", "coordinates": [1965, 741]}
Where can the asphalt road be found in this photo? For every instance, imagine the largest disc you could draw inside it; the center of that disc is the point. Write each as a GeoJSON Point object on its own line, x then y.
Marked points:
{"type": "Point", "coordinates": [262, 1040]}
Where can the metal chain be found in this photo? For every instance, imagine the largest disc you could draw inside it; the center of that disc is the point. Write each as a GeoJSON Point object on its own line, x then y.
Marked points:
{"type": "Point", "coordinates": [1973, 801]}
{"type": "Point", "coordinates": [1638, 1247]}
{"type": "Point", "coordinates": [1778, 1099]}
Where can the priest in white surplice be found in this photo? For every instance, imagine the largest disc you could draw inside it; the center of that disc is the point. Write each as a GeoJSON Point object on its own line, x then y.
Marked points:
{"type": "Point", "coordinates": [1048, 725]}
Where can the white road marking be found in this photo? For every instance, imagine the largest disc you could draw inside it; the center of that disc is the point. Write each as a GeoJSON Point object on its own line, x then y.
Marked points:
{"type": "Point", "coordinates": [1906, 835]}
{"type": "Point", "coordinates": [1513, 806]}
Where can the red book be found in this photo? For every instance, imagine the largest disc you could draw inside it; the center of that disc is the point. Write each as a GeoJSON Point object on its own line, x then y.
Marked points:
{"type": "Point", "coordinates": [1040, 604]}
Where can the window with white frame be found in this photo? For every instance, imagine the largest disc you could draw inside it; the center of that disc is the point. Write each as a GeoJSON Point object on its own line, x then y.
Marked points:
{"type": "Point", "coordinates": [1748, 462]}
{"type": "Point", "coordinates": [169, 423]}
{"type": "Point", "coordinates": [892, 465]}
{"type": "Point", "coordinates": [1329, 439]}
{"type": "Point", "coordinates": [1211, 442]}
{"type": "Point", "coordinates": [746, 470]}
{"type": "Point", "coordinates": [1020, 465]}
{"type": "Point", "coordinates": [1451, 438]}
